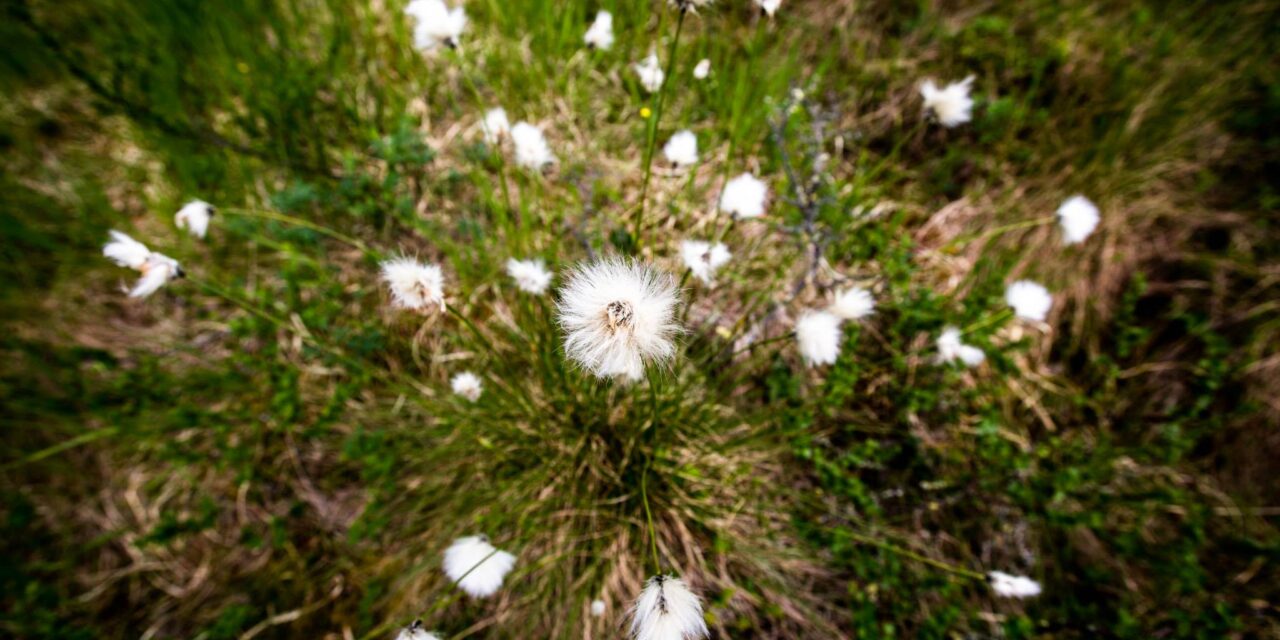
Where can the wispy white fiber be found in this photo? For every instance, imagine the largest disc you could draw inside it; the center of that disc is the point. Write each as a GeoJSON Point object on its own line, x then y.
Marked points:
{"type": "Point", "coordinates": [194, 217]}
{"type": "Point", "coordinates": [744, 196]}
{"type": "Point", "coordinates": [477, 566]}
{"type": "Point", "coordinates": [703, 259]}
{"type": "Point", "coordinates": [414, 285]}
{"type": "Point", "coordinates": [951, 104]}
{"type": "Point", "coordinates": [667, 610]}
{"type": "Point", "coordinates": [819, 336]}
{"type": "Point", "coordinates": [1029, 300]}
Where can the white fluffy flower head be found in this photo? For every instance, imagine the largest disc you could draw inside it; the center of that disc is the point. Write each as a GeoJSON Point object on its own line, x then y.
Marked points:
{"type": "Point", "coordinates": [744, 196]}
{"type": "Point", "coordinates": [818, 336]}
{"type": "Point", "coordinates": [1011, 586]}
{"type": "Point", "coordinates": [1079, 217]}
{"type": "Point", "coordinates": [1029, 300]}
{"type": "Point", "coordinates": [436, 24]}
{"type": "Point", "coordinates": [703, 259]}
{"type": "Point", "coordinates": [532, 151]}
{"type": "Point", "coordinates": [467, 385]}
{"type": "Point", "coordinates": [477, 566]}
{"type": "Point", "coordinates": [530, 275]}
{"type": "Point", "coordinates": [682, 149]}
{"type": "Point", "coordinates": [194, 217]}
{"type": "Point", "coordinates": [415, 631]}
{"type": "Point", "coordinates": [600, 35]}
{"type": "Point", "coordinates": [702, 69]}
{"type": "Point", "coordinates": [650, 72]}
{"type": "Point", "coordinates": [667, 610]}
{"type": "Point", "coordinates": [495, 126]}
{"type": "Point", "coordinates": [617, 316]}
{"type": "Point", "coordinates": [853, 303]}
{"type": "Point", "coordinates": [951, 105]}
{"type": "Point", "coordinates": [414, 285]}
{"type": "Point", "coordinates": [769, 6]}
{"type": "Point", "coordinates": [951, 348]}
{"type": "Point", "coordinates": [156, 268]}
{"type": "Point", "coordinates": [597, 608]}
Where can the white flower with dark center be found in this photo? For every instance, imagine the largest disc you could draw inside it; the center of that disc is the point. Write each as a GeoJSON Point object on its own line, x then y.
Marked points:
{"type": "Point", "coordinates": [194, 217]}
{"type": "Point", "coordinates": [436, 24]}
{"type": "Point", "coordinates": [703, 259]}
{"type": "Point", "coordinates": [744, 196]}
{"type": "Point", "coordinates": [951, 105]}
{"type": "Point", "coordinates": [1029, 300]}
{"type": "Point", "coordinates": [156, 268]}
{"type": "Point", "coordinates": [853, 303]}
{"type": "Point", "coordinates": [819, 336]}
{"type": "Point", "coordinates": [477, 566]}
{"type": "Point", "coordinates": [950, 348]}
{"type": "Point", "coordinates": [467, 385]}
{"type": "Point", "coordinates": [600, 35]}
{"type": "Point", "coordinates": [682, 149]}
{"type": "Point", "coordinates": [1079, 217]}
{"type": "Point", "coordinates": [702, 69]}
{"type": "Point", "coordinates": [530, 275]}
{"type": "Point", "coordinates": [496, 126]}
{"type": "Point", "coordinates": [414, 285]}
{"type": "Point", "coordinates": [618, 316]}
{"type": "Point", "coordinates": [1010, 586]}
{"type": "Point", "coordinates": [597, 608]}
{"type": "Point", "coordinates": [769, 6]}
{"type": "Point", "coordinates": [532, 151]}
{"type": "Point", "coordinates": [416, 632]}
{"type": "Point", "coordinates": [650, 72]}
{"type": "Point", "coordinates": [667, 610]}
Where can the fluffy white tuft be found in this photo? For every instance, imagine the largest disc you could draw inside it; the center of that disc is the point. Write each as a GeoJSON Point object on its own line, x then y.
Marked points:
{"type": "Point", "coordinates": [416, 632]}
{"type": "Point", "coordinates": [532, 151]}
{"type": "Point", "coordinates": [600, 35]}
{"type": "Point", "coordinates": [950, 348]}
{"type": "Point", "coordinates": [667, 610]}
{"type": "Point", "coordinates": [818, 335]}
{"type": "Point", "coordinates": [617, 316]}
{"type": "Point", "coordinates": [414, 285]}
{"type": "Point", "coordinates": [702, 69]}
{"type": "Point", "coordinates": [682, 149]}
{"type": "Point", "coordinates": [853, 303]}
{"type": "Point", "coordinates": [125, 251]}
{"type": "Point", "coordinates": [689, 5]}
{"type": "Point", "coordinates": [496, 125]}
{"type": "Point", "coordinates": [477, 566]}
{"type": "Point", "coordinates": [436, 24]}
{"type": "Point", "coordinates": [1010, 586]}
{"type": "Point", "coordinates": [704, 259]}
{"type": "Point", "coordinates": [194, 217]}
{"type": "Point", "coordinates": [156, 271]}
{"type": "Point", "coordinates": [597, 608]}
{"type": "Point", "coordinates": [1079, 217]}
{"type": "Point", "coordinates": [951, 105]}
{"type": "Point", "coordinates": [1029, 300]}
{"type": "Point", "coordinates": [769, 6]}
{"type": "Point", "coordinates": [744, 196]}
{"type": "Point", "coordinates": [467, 385]}
{"type": "Point", "coordinates": [650, 72]}
{"type": "Point", "coordinates": [530, 275]}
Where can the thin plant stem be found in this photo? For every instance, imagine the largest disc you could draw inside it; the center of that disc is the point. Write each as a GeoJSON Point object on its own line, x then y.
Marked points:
{"type": "Point", "coordinates": [467, 65]}
{"type": "Point", "coordinates": [1013, 226]}
{"type": "Point", "coordinates": [659, 101]}
{"type": "Point", "coordinates": [648, 516]}
{"type": "Point", "coordinates": [937, 564]}
{"type": "Point", "coordinates": [264, 214]}
{"type": "Point", "coordinates": [1004, 314]}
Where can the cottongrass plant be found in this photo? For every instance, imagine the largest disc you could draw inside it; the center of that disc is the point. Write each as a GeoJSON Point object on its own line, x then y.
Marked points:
{"type": "Point", "coordinates": [667, 610]}
{"type": "Point", "coordinates": [600, 35]}
{"type": "Point", "coordinates": [495, 125]}
{"type": "Point", "coordinates": [531, 276]}
{"type": "Point", "coordinates": [744, 196]}
{"type": "Point", "coordinates": [467, 385]}
{"type": "Point", "coordinates": [702, 69]}
{"type": "Point", "coordinates": [650, 72]}
{"type": "Point", "coordinates": [1011, 586]}
{"type": "Point", "coordinates": [951, 105]}
{"type": "Point", "coordinates": [476, 566]}
{"type": "Point", "coordinates": [682, 149]}
{"type": "Point", "coordinates": [1029, 300]}
{"type": "Point", "coordinates": [194, 216]}
{"type": "Point", "coordinates": [769, 7]}
{"type": "Point", "coordinates": [415, 631]}
{"type": "Point", "coordinates": [414, 285]}
{"type": "Point", "coordinates": [436, 24]}
{"type": "Point", "coordinates": [532, 151]}
{"type": "Point", "coordinates": [819, 337]}
{"type": "Point", "coordinates": [1078, 217]}
{"type": "Point", "coordinates": [156, 268]}
{"type": "Point", "coordinates": [703, 259]}
{"type": "Point", "coordinates": [853, 303]}
{"type": "Point", "coordinates": [951, 348]}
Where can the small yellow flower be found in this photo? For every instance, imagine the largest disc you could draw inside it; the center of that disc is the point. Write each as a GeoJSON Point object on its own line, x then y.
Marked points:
{"type": "Point", "coordinates": [242, 67]}
{"type": "Point", "coordinates": [645, 112]}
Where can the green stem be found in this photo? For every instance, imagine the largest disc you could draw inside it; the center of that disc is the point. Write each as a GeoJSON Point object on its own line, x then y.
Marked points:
{"type": "Point", "coordinates": [648, 516]}
{"type": "Point", "coordinates": [937, 564]}
{"type": "Point", "coordinates": [1003, 315]}
{"type": "Point", "coordinates": [1013, 226]}
{"type": "Point", "coordinates": [299, 222]}
{"type": "Point", "coordinates": [659, 101]}
{"type": "Point", "coordinates": [83, 438]}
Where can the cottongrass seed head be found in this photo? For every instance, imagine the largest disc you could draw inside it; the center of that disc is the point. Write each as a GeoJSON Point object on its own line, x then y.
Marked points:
{"type": "Point", "coordinates": [702, 69]}
{"type": "Point", "coordinates": [769, 7]}
{"type": "Point", "coordinates": [467, 385]}
{"type": "Point", "coordinates": [703, 259]}
{"type": "Point", "coordinates": [819, 336]}
{"type": "Point", "coordinates": [530, 275]}
{"type": "Point", "coordinates": [532, 151]}
{"type": "Point", "coordinates": [495, 126]}
{"type": "Point", "coordinates": [951, 105]}
{"type": "Point", "coordinates": [1011, 586]}
{"type": "Point", "coordinates": [1079, 217]}
{"type": "Point", "coordinates": [650, 72]}
{"type": "Point", "coordinates": [1030, 301]}
{"type": "Point", "coordinates": [477, 566]}
{"type": "Point", "coordinates": [156, 268]}
{"type": "Point", "coordinates": [125, 251]}
{"type": "Point", "coordinates": [597, 608]}
{"type": "Point", "coordinates": [600, 35]}
{"type": "Point", "coordinates": [667, 610]}
{"type": "Point", "coordinates": [951, 348]}
{"type": "Point", "coordinates": [436, 24]}
{"type": "Point", "coordinates": [744, 196]}
{"type": "Point", "coordinates": [682, 149]}
{"type": "Point", "coordinates": [194, 217]}
{"type": "Point", "coordinates": [689, 5]}
{"type": "Point", "coordinates": [617, 316]}
{"type": "Point", "coordinates": [416, 632]}
{"type": "Point", "coordinates": [414, 285]}
{"type": "Point", "coordinates": [853, 303]}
